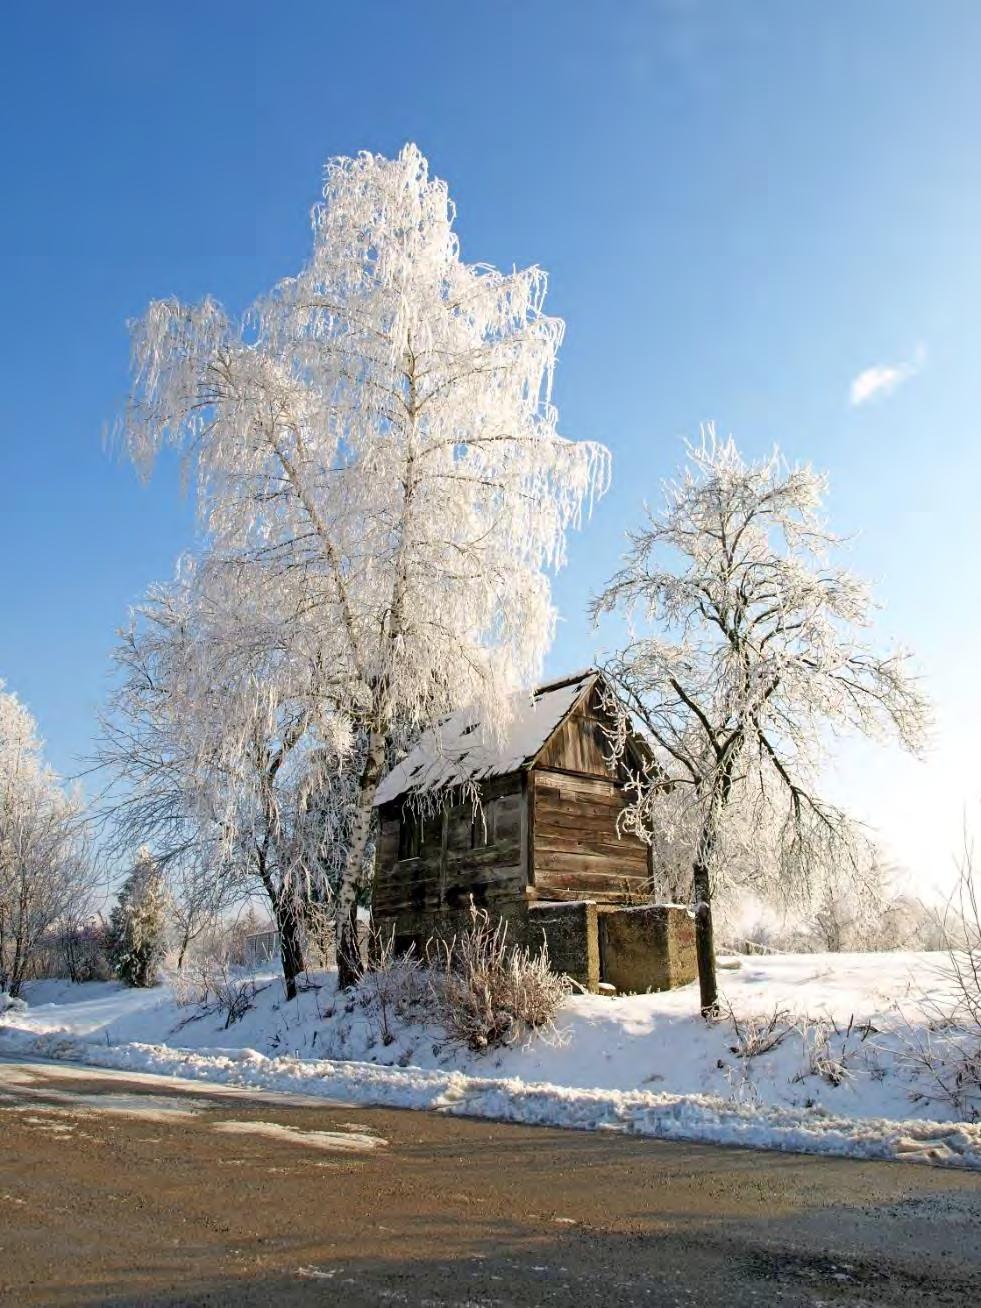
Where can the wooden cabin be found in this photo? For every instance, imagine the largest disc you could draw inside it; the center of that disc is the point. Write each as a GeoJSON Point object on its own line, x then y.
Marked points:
{"type": "Point", "coordinates": [544, 830]}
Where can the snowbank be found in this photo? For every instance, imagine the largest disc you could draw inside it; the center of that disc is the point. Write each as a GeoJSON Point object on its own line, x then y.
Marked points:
{"type": "Point", "coordinates": [644, 1065]}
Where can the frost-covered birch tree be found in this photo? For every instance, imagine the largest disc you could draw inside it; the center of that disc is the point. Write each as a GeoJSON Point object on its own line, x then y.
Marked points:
{"type": "Point", "coordinates": [749, 651]}
{"type": "Point", "coordinates": [376, 437]}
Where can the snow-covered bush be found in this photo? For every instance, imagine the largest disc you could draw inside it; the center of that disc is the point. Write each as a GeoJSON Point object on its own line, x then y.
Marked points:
{"type": "Point", "coordinates": [136, 940]}
{"type": "Point", "coordinates": [489, 992]}
{"type": "Point", "coordinates": [944, 1059]}
{"type": "Point", "coordinates": [477, 988]}
{"type": "Point", "coordinates": [215, 976]}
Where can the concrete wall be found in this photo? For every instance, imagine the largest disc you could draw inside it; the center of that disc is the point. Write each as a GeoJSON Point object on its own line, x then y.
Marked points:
{"type": "Point", "coordinates": [651, 947]}
{"type": "Point", "coordinates": [570, 931]}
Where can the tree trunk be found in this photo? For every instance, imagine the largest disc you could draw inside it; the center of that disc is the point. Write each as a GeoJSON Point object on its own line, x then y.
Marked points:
{"type": "Point", "coordinates": [349, 966]}
{"type": "Point", "coordinates": [349, 963]}
{"type": "Point", "coordinates": [287, 924]}
{"type": "Point", "coordinates": [708, 990]}
{"type": "Point", "coordinates": [290, 944]}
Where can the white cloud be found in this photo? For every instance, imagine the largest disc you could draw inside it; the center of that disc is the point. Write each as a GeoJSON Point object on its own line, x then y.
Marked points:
{"type": "Point", "coordinates": [883, 378]}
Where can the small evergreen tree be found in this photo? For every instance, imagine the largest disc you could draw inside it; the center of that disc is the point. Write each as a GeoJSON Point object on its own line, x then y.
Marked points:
{"type": "Point", "coordinates": [136, 940]}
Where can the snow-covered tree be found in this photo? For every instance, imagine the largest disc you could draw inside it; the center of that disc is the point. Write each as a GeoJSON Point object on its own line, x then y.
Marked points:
{"type": "Point", "coordinates": [46, 871]}
{"type": "Point", "coordinates": [376, 439]}
{"type": "Point", "coordinates": [749, 649]}
{"type": "Point", "coordinates": [196, 899]}
{"type": "Point", "coordinates": [137, 940]}
{"type": "Point", "coordinates": [218, 759]}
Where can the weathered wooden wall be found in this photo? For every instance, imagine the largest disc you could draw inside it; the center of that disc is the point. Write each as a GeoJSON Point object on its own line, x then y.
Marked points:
{"type": "Point", "coordinates": [575, 800]}
{"type": "Point", "coordinates": [579, 743]}
{"type": "Point", "coordinates": [576, 852]}
{"type": "Point", "coordinates": [430, 894]}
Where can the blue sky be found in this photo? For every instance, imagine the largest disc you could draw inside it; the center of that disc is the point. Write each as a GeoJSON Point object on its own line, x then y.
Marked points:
{"type": "Point", "coordinates": [742, 208]}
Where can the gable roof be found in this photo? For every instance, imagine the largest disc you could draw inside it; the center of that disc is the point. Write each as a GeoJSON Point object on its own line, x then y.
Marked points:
{"type": "Point", "coordinates": [459, 752]}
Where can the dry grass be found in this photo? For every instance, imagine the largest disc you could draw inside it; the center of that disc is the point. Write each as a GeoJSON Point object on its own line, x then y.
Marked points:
{"type": "Point", "coordinates": [478, 988]}
{"type": "Point", "coordinates": [489, 992]}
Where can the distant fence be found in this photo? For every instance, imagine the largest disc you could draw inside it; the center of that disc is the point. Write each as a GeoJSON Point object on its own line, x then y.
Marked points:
{"type": "Point", "coordinates": [261, 948]}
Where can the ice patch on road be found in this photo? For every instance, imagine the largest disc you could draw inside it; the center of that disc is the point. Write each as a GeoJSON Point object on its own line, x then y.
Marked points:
{"type": "Point", "coordinates": [343, 1142]}
{"type": "Point", "coordinates": [317, 1273]}
{"type": "Point", "coordinates": [26, 1083]}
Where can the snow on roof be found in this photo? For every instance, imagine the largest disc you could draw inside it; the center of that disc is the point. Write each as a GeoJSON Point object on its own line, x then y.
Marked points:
{"type": "Point", "coordinates": [458, 751]}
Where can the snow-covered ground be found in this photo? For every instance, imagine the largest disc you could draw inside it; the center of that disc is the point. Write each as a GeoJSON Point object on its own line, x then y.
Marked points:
{"type": "Point", "coordinates": [843, 1077]}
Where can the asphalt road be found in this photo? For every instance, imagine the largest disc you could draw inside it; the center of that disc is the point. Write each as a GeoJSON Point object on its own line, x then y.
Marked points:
{"type": "Point", "coordinates": [117, 1189]}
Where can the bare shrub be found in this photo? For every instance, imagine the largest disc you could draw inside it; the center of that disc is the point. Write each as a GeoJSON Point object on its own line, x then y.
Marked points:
{"type": "Point", "coordinates": [210, 983]}
{"type": "Point", "coordinates": [482, 991]}
{"type": "Point", "coordinates": [831, 1051]}
{"type": "Point", "coordinates": [758, 1035]}
{"type": "Point", "coordinates": [742, 1087]}
{"type": "Point", "coordinates": [489, 992]}
{"type": "Point", "coordinates": [82, 954]}
{"type": "Point", "coordinates": [962, 971]}
{"type": "Point", "coordinates": [946, 1063]}
{"type": "Point", "coordinates": [393, 988]}
{"type": "Point", "coordinates": [944, 1055]}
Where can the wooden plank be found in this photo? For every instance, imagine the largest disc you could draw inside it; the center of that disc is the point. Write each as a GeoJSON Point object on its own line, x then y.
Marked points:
{"type": "Point", "coordinates": [489, 896]}
{"type": "Point", "coordinates": [600, 894]}
{"type": "Point", "coordinates": [388, 842]}
{"type": "Point", "coordinates": [568, 805]}
{"type": "Point", "coordinates": [594, 887]}
{"type": "Point", "coordinates": [588, 877]}
{"type": "Point", "coordinates": [632, 857]}
{"type": "Point", "coordinates": [577, 864]}
{"type": "Point", "coordinates": [577, 746]}
{"type": "Point", "coordinates": [575, 783]}
{"type": "Point", "coordinates": [592, 830]}
{"type": "Point", "coordinates": [493, 874]}
{"type": "Point", "coordinates": [590, 818]}
{"type": "Point", "coordinates": [506, 852]}
{"type": "Point", "coordinates": [604, 833]}
{"type": "Point", "coordinates": [422, 892]}
{"type": "Point", "coordinates": [593, 823]}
